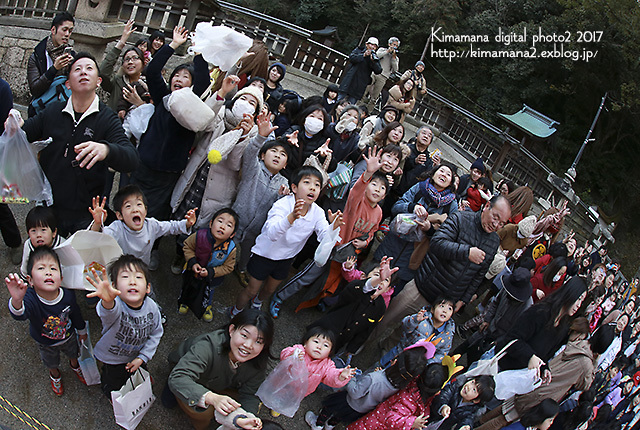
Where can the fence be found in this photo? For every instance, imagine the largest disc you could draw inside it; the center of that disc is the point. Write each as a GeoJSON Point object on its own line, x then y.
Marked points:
{"type": "Point", "coordinates": [33, 8]}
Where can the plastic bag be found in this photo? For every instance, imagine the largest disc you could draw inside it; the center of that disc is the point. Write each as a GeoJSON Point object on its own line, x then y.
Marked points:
{"type": "Point", "coordinates": [137, 120]}
{"type": "Point", "coordinates": [489, 366]}
{"type": "Point", "coordinates": [219, 45]}
{"type": "Point", "coordinates": [323, 251]}
{"type": "Point", "coordinates": [21, 177]}
{"type": "Point", "coordinates": [406, 227]}
{"type": "Point", "coordinates": [512, 382]}
{"type": "Point", "coordinates": [189, 110]}
{"type": "Point", "coordinates": [133, 400]}
{"type": "Point", "coordinates": [286, 386]}
{"type": "Point", "coordinates": [87, 361]}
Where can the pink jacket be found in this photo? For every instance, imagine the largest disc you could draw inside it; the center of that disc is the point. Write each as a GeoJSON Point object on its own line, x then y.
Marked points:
{"type": "Point", "coordinates": [398, 412]}
{"type": "Point", "coordinates": [320, 371]}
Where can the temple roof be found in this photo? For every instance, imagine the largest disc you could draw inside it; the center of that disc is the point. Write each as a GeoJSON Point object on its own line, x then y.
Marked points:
{"type": "Point", "coordinates": [531, 122]}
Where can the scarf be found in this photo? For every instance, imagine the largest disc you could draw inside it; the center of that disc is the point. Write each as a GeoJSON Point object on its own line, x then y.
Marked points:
{"type": "Point", "coordinates": [55, 51]}
{"type": "Point", "coordinates": [439, 198]}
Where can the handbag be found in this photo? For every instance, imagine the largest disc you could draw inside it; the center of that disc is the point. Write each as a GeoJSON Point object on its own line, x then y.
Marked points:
{"type": "Point", "coordinates": [313, 161]}
{"type": "Point", "coordinates": [339, 180]}
{"type": "Point", "coordinates": [286, 386]}
{"type": "Point", "coordinates": [87, 361]}
{"type": "Point", "coordinates": [133, 400]}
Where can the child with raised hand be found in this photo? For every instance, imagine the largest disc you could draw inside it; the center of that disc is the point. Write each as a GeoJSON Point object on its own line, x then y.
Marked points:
{"type": "Point", "coordinates": [409, 408]}
{"type": "Point", "coordinates": [261, 185]}
{"type": "Point", "coordinates": [423, 324]}
{"type": "Point", "coordinates": [134, 232]}
{"type": "Point", "coordinates": [131, 326]}
{"type": "Point", "coordinates": [290, 222]}
{"type": "Point", "coordinates": [54, 317]}
{"type": "Point", "coordinates": [317, 346]}
{"type": "Point", "coordinates": [42, 230]}
{"type": "Point", "coordinates": [364, 393]}
{"type": "Point", "coordinates": [211, 255]}
{"type": "Point", "coordinates": [460, 400]}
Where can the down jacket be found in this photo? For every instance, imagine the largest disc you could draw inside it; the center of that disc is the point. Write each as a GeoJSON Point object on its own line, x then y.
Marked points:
{"type": "Point", "coordinates": [446, 269]}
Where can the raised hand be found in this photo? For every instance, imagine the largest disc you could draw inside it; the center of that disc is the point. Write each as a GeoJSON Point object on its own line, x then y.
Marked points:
{"type": "Point", "coordinates": [191, 217]}
{"type": "Point", "coordinates": [350, 263]}
{"type": "Point", "coordinates": [422, 315]}
{"type": "Point", "coordinates": [385, 268]}
{"type": "Point", "coordinates": [284, 190]}
{"type": "Point", "coordinates": [126, 32]}
{"type": "Point", "coordinates": [264, 125]}
{"type": "Point", "coordinates": [246, 124]}
{"type": "Point", "coordinates": [373, 160]}
{"type": "Point", "coordinates": [17, 289]}
{"type": "Point", "coordinates": [132, 96]}
{"type": "Point", "coordinates": [324, 150]}
{"type": "Point", "coordinates": [98, 212]}
{"type": "Point", "coordinates": [180, 35]}
{"type": "Point", "coordinates": [347, 373]}
{"type": "Point", "coordinates": [293, 138]}
{"type": "Point", "coordinates": [104, 290]}
{"type": "Point", "coordinates": [419, 422]}
{"type": "Point", "coordinates": [228, 84]}
{"type": "Point", "coordinates": [297, 212]}
{"type": "Point", "coordinates": [335, 218]}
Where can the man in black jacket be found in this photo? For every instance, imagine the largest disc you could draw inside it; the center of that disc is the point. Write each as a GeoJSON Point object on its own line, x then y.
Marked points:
{"type": "Point", "coordinates": [87, 139]}
{"type": "Point", "coordinates": [363, 61]}
{"type": "Point", "coordinates": [49, 59]}
{"type": "Point", "coordinates": [459, 256]}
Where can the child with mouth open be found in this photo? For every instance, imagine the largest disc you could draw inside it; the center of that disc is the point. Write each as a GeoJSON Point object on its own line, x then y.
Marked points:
{"type": "Point", "coordinates": [131, 326]}
{"type": "Point", "coordinates": [290, 222]}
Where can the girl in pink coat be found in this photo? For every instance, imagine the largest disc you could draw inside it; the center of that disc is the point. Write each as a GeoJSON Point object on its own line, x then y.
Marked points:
{"type": "Point", "coordinates": [315, 350]}
{"type": "Point", "coordinates": [409, 408]}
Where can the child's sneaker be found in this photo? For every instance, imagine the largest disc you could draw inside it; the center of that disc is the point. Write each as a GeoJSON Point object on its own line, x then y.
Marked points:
{"type": "Point", "coordinates": [274, 308]}
{"type": "Point", "coordinates": [183, 309]}
{"type": "Point", "coordinates": [78, 372]}
{"type": "Point", "coordinates": [208, 314]}
{"type": "Point", "coordinates": [56, 385]}
{"type": "Point", "coordinates": [256, 304]}
{"type": "Point", "coordinates": [311, 419]}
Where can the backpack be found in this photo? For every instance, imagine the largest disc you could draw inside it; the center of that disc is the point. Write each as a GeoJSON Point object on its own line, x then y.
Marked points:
{"type": "Point", "coordinates": [57, 92]}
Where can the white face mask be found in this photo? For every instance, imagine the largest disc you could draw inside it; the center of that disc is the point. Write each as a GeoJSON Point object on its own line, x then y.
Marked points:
{"type": "Point", "coordinates": [240, 107]}
{"type": "Point", "coordinates": [313, 125]}
{"type": "Point", "coordinates": [350, 127]}
{"type": "Point", "coordinates": [557, 277]}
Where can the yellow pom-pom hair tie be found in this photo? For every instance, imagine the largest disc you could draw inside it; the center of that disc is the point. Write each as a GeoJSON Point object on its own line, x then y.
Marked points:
{"type": "Point", "coordinates": [214, 156]}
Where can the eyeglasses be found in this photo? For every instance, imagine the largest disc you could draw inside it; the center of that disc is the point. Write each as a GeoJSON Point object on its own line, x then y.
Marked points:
{"type": "Point", "coordinates": [130, 59]}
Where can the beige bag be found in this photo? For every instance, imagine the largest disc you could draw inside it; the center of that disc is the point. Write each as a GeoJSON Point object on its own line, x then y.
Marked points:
{"type": "Point", "coordinates": [314, 161]}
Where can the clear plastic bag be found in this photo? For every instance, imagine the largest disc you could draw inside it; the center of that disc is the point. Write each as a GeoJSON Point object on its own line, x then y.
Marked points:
{"type": "Point", "coordinates": [21, 177]}
{"type": "Point", "coordinates": [87, 361]}
{"type": "Point", "coordinates": [286, 386]}
{"type": "Point", "coordinates": [219, 45]}
{"type": "Point", "coordinates": [323, 251]}
{"type": "Point", "coordinates": [406, 227]}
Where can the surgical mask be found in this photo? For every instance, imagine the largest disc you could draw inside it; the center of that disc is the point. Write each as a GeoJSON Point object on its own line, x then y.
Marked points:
{"type": "Point", "coordinates": [313, 125]}
{"type": "Point", "coordinates": [557, 277]}
{"type": "Point", "coordinates": [240, 107]}
{"type": "Point", "coordinates": [350, 127]}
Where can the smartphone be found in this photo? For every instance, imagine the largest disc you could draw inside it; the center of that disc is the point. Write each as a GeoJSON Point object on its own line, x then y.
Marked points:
{"type": "Point", "coordinates": [68, 51]}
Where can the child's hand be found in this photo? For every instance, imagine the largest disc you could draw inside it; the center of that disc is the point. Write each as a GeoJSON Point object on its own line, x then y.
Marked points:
{"type": "Point", "coordinates": [199, 270]}
{"type": "Point", "coordinates": [98, 212]}
{"type": "Point", "coordinates": [335, 218]}
{"type": "Point", "coordinates": [298, 208]}
{"type": "Point", "coordinates": [264, 125]}
{"type": "Point", "coordinates": [385, 268]}
{"type": "Point", "coordinates": [191, 217]}
{"type": "Point", "coordinates": [293, 138]}
{"type": "Point", "coordinates": [134, 364]}
{"type": "Point", "coordinates": [347, 373]}
{"type": "Point", "coordinates": [324, 150]}
{"type": "Point", "coordinates": [284, 190]}
{"type": "Point", "coordinates": [223, 404]}
{"type": "Point", "coordinates": [419, 422]}
{"type": "Point", "coordinates": [246, 124]}
{"type": "Point", "coordinates": [373, 160]}
{"type": "Point", "coordinates": [420, 211]}
{"type": "Point", "coordinates": [445, 411]}
{"type": "Point", "coordinates": [422, 315]}
{"type": "Point", "coordinates": [350, 263]}
{"type": "Point", "coordinates": [359, 243]}
{"type": "Point", "coordinates": [180, 35]}
{"type": "Point", "coordinates": [104, 290]}
{"type": "Point", "coordinates": [249, 423]}
{"type": "Point", "coordinates": [17, 289]}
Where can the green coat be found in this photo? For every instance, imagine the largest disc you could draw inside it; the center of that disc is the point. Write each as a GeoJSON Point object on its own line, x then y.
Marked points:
{"type": "Point", "coordinates": [203, 365]}
{"type": "Point", "coordinates": [112, 81]}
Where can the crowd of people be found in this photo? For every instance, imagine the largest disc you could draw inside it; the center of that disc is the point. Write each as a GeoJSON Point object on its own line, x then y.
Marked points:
{"type": "Point", "coordinates": [404, 253]}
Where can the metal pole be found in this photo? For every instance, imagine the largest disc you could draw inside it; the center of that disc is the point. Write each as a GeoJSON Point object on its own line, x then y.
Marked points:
{"type": "Point", "coordinates": [586, 140]}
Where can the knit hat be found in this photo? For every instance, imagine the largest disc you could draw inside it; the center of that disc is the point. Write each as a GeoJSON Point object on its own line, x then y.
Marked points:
{"type": "Point", "coordinates": [281, 67]}
{"type": "Point", "coordinates": [373, 40]}
{"type": "Point", "coordinates": [518, 284]}
{"type": "Point", "coordinates": [419, 63]}
{"type": "Point", "coordinates": [526, 226]}
{"type": "Point", "coordinates": [253, 91]}
{"type": "Point", "coordinates": [497, 265]}
{"type": "Point", "coordinates": [478, 164]}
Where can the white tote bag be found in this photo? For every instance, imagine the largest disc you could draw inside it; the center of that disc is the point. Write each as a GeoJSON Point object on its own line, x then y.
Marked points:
{"type": "Point", "coordinates": [512, 382]}
{"type": "Point", "coordinates": [133, 400]}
